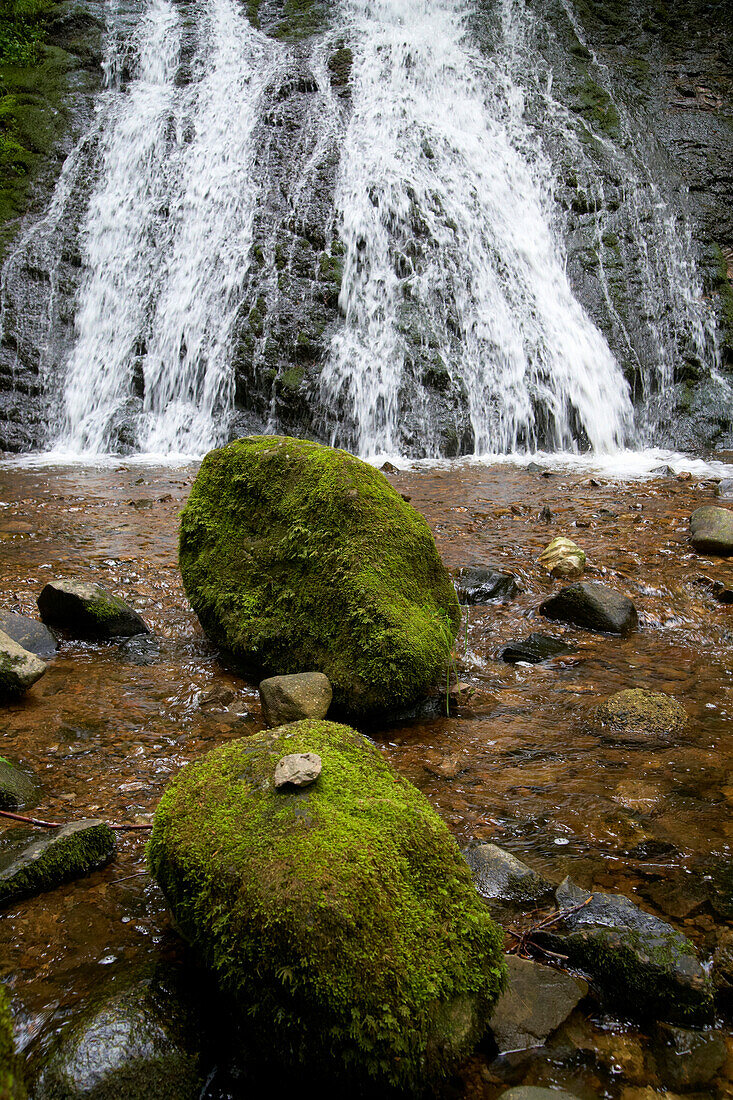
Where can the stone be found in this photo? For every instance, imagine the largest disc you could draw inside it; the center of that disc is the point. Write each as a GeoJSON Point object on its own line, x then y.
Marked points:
{"type": "Point", "coordinates": [19, 669]}
{"type": "Point", "coordinates": [712, 531]}
{"type": "Point", "coordinates": [87, 610]}
{"type": "Point", "coordinates": [481, 583]}
{"type": "Point", "coordinates": [535, 1003]}
{"type": "Point", "coordinates": [716, 589]}
{"type": "Point", "coordinates": [563, 559]}
{"type": "Point", "coordinates": [638, 795]}
{"type": "Point", "coordinates": [299, 557]}
{"type": "Point", "coordinates": [535, 648]}
{"type": "Point", "coordinates": [641, 964]}
{"type": "Point", "coordinates": [12, 1086]}
{"type": "Point", "coordinates": [592, 606]}
{"type": "Point", "coordinates": [725, 488]}
{"type": "Point", "coordinates": [534, 1092]}
{"type": "Point", "coordinates": [637, 715]}
{"type": "Point", "coordinates": [343, 901]}
{"type": "Point", "coordinates": [16, 788]}
{"type": "Point", "coordinates": [290, 698]}
{"type": "Point", "coordinates": [59, 855]}
{"type": "Point", "coordinates": [29, 633]}
{"type": "Point", "coordinates": [723, 965]}
{"type": "Point", "coordinates": [504, 881]}
{"type": "Point", "coordinates": [298, 769]}
{"type": "Point", "coordinates": [689, 1060]}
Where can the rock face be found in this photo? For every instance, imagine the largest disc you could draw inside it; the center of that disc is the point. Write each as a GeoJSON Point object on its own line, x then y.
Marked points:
{"type": "Point", "coordinates": [290, 698]}
{"type": "Point", "coordinates": [62, 854]}
{"type": "Point", "coordinates": [87, 610]}
{"type": "Point", "coordinates": [341, 918]}
{"type": "Point", "coordinates": [11, 1082]}
{"type": "Point", "coordinates": [481, 583]}
{"type": "Point", "coordinates": [298, 557]}
{"type": "Point", "coordinates": [536, 1002]}
{"type": "Point", "coordinates": [639, 961]}
{"type": "Point", "coordinates": [16, 788]}
{"type": "Point", "coordinates": [28, 633]}
{"type": "Point", "coordinates": [592, 606]}
{"type": "Point", "coordinates": [562, 558]}
{"type": "Point", "coordinates": [712, 531]}
{"type": "Point", "coordinates": [639, 715]}
{"type": "Point", "coordinates": [19, 669]}
{"type": "Point", "coordinates": [534, 648]}
{"type": "Point", "coordinates": [504, 881]}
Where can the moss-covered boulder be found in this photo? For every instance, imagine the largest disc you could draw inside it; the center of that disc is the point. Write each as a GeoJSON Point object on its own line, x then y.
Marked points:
{"type": "Point", "coordinates": [636, 714]}
{"type": "Point", "coordinates": [298, 557]}
{"type": "Point", "coordinates": [16, 788]}
{"type": "Point", "coordinates": [88, 610]}
{"type": "Point", "coordinates": [11, 1082]}
{"type": "Point", "coordinates": [77, 849]}
{"type": "Point", "coordinates": [341, 917]}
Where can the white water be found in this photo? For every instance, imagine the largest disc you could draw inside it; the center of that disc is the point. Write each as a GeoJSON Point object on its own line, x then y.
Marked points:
{"type": "Point", "coordinates": [167, 233]}
{"type": "Point", "coordinates": [438, 128]}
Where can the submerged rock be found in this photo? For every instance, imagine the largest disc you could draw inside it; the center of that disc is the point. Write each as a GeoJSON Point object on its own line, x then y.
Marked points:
{"type": "Point", "coordinates": [29, 633]}
{"type": "Point", "coordinates": [712, 531]}
{"type": "Point", "coordinates": [504, 881]}
{"type": "Point", "coordinates": [563, 558]}
{"type": "Point", "coordinates": [16, 788]}
{"type": "Point", "coordinates": [58, 856]}
{"type": "Point", "coordinates": [535, 1003]}
{"type": "Point", "coordinates": [592, 606]}
{"type": "Point", "coordinates": [291, 698]}
{"type": "Point", "coordinates": [341, 918]}
{"type": "Point", "coordinates": [689, 1060]}
{"type": "Point", "coordinates": [638, 715]}
{"type": "Point", "coordinates": [481, 583]}
{"type": "Point", "coordinates": [87, 610]}
{"type": "Point", "coordinates": [640, 962]}
{"type": "Point", "coordinates": [11, 1079]}
{"type": "Point", "coordinates": [535, 648]}
{"type": "Point", "coordinates": [535, 1092]}
{"type": "Point", "coordinates": [297, 557]}
{"type": "Point", "coordinates": [19, 669]}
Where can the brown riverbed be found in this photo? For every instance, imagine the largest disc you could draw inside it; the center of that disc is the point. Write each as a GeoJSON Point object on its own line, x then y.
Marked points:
{"type": "Point", "coordinates": [519, 763]}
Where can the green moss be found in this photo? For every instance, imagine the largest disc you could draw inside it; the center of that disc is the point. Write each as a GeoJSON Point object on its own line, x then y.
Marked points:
{"type": "Point", "coordinates": [341, 917]}
{"type": "Point", "coordinates": [300, 557]}
{"type": "Point", "coordinates": [595, 106]}
{"type": "Point", "coordinates": [16, 788]}
{"type": "Point", "coordinates": [71, 852]}
{"type": "Point", "coordinates": [11, 1084]}
{"type": "Point", "coordinates": [301, 19]}
{"type": "Point", "coordinates": [291, 379]}
{"type": "Point", "coordinates": [646, 712]}
{"type": "Point", "coordinates": [339, 66]}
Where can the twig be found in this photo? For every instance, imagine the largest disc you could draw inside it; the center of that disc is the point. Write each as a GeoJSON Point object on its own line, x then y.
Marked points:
{"type": "Point", "coordinates": [524, 939]}
{"type": "Point", "coordinates": [126, 877]}
{"type": "Point", "coordinates": [60, 824]}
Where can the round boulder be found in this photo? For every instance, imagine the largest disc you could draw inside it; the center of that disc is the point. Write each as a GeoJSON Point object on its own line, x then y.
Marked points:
{"type": "Point", "coordinates": [562, 558]}
{"type": "Point", "coordinates": [592, 606]}
{"type": "Point", "coordinates": [290, 698]}
{"type": "Point", "coordinates": [712, 531]}
{"type": "Point", "coordinates": [340, 917]}
{"type": "Point", "coordinates": [639, 715]}
{"type": "Point", "coordinates": [299, 557]}
{"type": "Point", "coordinates": [87, 610]}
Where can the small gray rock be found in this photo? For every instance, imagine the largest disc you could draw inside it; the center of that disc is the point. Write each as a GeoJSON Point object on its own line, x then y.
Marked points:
{"type": "Point", "coordinates": [87, 610]}
{"type": "Point", "coordinates": [563, 558]}
{"type": "Point", "coordinates": [19, 669]}
{"type": "Point", "coordinates": [60, 855]}
{"type": "Point", "coordinates": [481, 583]}
{"type": "Point", "coordinates": [725, 488]}
{"type": "Point", "coordinates": [592, 606]}
{"type": "Point", "coordinates": [535, 1003]}
{"type": "Point", "coordinates": [29, 633]}
{"type": "Point", "coordinates": [503, 879]}
{"type": "Point", "coordinates": [299, 769]}
{"type": "Point", "coordinates": [534, 1092]}
{"type": "Point", "coordinates": [290, 698]}
{"type": "Point", "coordinates": [689, 1060]}
{"type": "Point", "coordinates": [535, 648]}
{"type": "Point", "coordinates": [16, 788]}
{"type": "Point", "coordinates": [712, 531]}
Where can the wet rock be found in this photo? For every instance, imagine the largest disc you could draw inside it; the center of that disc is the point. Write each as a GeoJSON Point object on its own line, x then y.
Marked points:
{"type": "Point", "coordinates": [716, 589]}
{"type": "Point", "coordinates": [481, 583]}
{"type": "Point", "coordinates": [534, 1092]}
{"type": "Point", "coordinates": [712, 531]}
{"type": "Point", "coordinates": [535, 1003]}
{"type": "Point", "coordinates": [29, 633]}
{"type": "Point", "coordinates": [725, 488]}
{"type": "Point", "coordinates": [16, 788]}
{"type": "Point", "coordinates": [563, 558]}
{"type": "Point", "coordinates": [142, 650]}
{"type": "Point", "coordinates": [662, 471]}
{"type": "Point", "coordinates": [688, 1060]}
{"type": "Point", "coordinates": [11, 1078]}
{"type": "Point", "coordinates": [723, 966]}
{"type": "Point", "coordinates": [638, 795]}
{"type": "Point", "coordinates": [298, 769]}
{"type": "Point", "coordinates": [447, 765]}
{"type": "Point", "coordinates": [546, 514]}
{"type": "Point", "coordinates": [592, 606]}
{"type": "Point", "coordinates": [640, 962]}
{"type": "Point", "coordinates": [506, 882]}
{"type": "Point", "coordinates": [636, 715]}
{"type": "Point", "coordinates": [290, 698]}
{"type": "Point", "coordinates": [535, 648]}
{"type": "Point", "coordinates": [59, 855]}
{"type": "Point", "coordinates": [87, 610]}
{"type": "Point", "coordinates": [19, 669]}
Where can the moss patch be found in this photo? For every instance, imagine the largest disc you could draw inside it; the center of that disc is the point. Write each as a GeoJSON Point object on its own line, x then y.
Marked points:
{"type": "Point", "coordinates": [74, 850]}
{"type": "Point", "coordinates": [341, 917]}
{"type": "Point", "coordinates": [298, 557]}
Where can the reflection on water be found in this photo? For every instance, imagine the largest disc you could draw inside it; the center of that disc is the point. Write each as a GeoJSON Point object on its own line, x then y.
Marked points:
{"type": "Point", "coordinates": [519, 764]}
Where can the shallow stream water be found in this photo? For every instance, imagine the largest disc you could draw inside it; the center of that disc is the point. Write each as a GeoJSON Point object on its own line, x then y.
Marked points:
{"type": "Point", "coordinates": [518, 764]}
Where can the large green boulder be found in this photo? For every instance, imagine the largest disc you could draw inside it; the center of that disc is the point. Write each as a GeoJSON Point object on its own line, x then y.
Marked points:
{"type": "Point", "coordinates": [298, 558]}
{"type": "Point", "coordinates": [339, 916]}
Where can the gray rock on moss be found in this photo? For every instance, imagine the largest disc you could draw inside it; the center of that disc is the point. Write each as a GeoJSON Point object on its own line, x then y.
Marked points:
{"type": "Point", "coordinates": [290, 698]}
{"type": "Point", "coordinates": [16, 788]}
{"type": "Point", "coordinates": [711, 530]}
{"type": "Point", "coordinates": [537, 1000]}
{"type": "Point", "coordinates": [59, 855]}
{"type": "Point", "coordinates": [29, 633]}
{"type": "Point", "coordinates": [640, 963]}
{"type": "Point", "coordinates": [87, 610]}
{"type": "Point", "coordinates": [19, 669]}
{"type": "Point", "coordinates": [592, 606]}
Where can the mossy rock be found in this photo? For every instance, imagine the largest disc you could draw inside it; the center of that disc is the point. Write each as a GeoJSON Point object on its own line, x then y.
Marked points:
{"type": "Point", "coordinates": [87, 610]}
{"type": "Point", "coordinates": [638, 714]}
{"type": "Point", "coordinates": [63, 854]}
{"type": "Point", "coordinates": [11, 1082]}
{"type": "Point", "coordinates": [298, 558]}
{"type": "Point", "coordinates": [340, 917]}
{"type": "Point", "coordinates": [16, 788]}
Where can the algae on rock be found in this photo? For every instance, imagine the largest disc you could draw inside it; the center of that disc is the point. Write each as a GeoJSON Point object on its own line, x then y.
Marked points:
{"type": "Point", "coordinates": [340, 917]}
{"type": "Point", "coordinates": [298, 557]}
